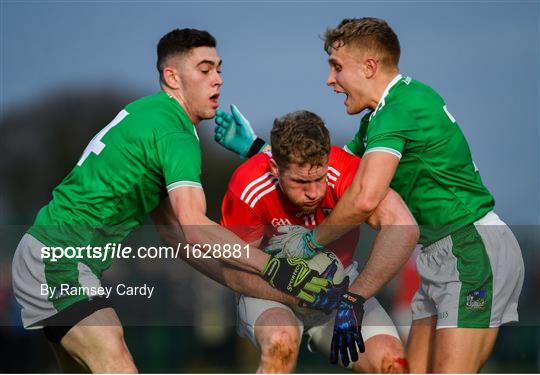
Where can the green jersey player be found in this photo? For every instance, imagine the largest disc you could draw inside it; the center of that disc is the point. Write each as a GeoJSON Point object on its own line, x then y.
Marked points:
{"type": "Point", "coordinates": [148, 154]}
{"type": "Point", "coordinates": [471, 265]}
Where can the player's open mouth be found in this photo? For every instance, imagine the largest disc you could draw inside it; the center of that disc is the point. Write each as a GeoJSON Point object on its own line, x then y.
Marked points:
{"type": "Point", "coordinates": [214, 99]}
{"type": "Point", "coordinates": [346, 95]}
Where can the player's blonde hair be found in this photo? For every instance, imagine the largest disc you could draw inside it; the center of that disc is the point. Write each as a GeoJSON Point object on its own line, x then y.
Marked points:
{"type": "Point", "coordinates": [300, 138]}
{"type": "Point", "coordinates": [372, 34]}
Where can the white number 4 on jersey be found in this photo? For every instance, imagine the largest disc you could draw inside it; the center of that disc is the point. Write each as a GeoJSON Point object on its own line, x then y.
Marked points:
{"type": "Point", "coordinates": [95, 145]}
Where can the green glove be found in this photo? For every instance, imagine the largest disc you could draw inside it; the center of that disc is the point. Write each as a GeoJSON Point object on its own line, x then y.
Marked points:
{"type": "Point", "coordinates": [293, 276]}
{"type": "Point", "coordinates": [234, 132]}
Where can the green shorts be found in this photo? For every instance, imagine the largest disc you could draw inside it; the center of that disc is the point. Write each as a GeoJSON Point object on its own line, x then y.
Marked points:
{"type": "Point", "coordinates": [471, 278]}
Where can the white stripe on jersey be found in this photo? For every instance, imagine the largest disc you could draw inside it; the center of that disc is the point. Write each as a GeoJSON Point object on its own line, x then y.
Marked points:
{"type": "Point", "coordinates": [388, 150]}
{"type": "Point", "coordinates": [254, 182]}
{"type": "Point", "coordinates": [259, 188]}
{"type": "Point", "coordinates": [332, 176]}
{"type": "Point", "coordinates": [273, 187]}
{"type": "Point", "coordinates": [334, 170]}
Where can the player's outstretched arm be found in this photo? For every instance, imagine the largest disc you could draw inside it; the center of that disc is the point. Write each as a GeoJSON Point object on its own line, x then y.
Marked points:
{"type": "Point", "coordinates": [171, 233]}
{"type": "Point", "coordinates": [189, 207]}
{"type": "Point", "coordinates": [234, 132]}
{"type": "Point", "coordinates": [290, 275]}
{"type": "Point", "coordinates": [392, 247]}
{"type": "Point", "coordinates": [240, 281]}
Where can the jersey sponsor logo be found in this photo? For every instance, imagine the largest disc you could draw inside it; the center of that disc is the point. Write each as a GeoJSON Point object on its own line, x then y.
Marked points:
{"type": "Point", "coordinates": [476, 300]}
{"type": "Point", "coordinates": [276, 222]}
{"type": "Point", "coordinates": [258, 188]}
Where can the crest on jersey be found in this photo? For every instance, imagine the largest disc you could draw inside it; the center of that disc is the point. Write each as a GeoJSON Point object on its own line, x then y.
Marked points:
{"type": "Point", "coordinates": [476, 300]}
{"type": "Point", "coordinates": [276, 222]}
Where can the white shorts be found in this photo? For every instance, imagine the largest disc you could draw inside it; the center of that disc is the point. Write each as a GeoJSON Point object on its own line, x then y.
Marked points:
{"type": "Point", "coordinates": [471, 278]}
{"type": "Point", "coordinates": [32, 280]}
{"type": "Point", "coordinates": [316, 325]}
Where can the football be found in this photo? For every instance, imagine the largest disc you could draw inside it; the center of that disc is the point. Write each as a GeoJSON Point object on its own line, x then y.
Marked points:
{"type": "Point", "coordinates": [321, 261]}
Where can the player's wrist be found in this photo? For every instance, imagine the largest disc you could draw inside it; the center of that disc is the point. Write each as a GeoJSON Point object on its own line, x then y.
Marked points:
{"type": "Point", "coordinates": [311, 242]}
{"type": "Point", "coordinates": [266, 271]}
{"type": "Point", "coordinates": [257, 146]}
{"type": "Point", "coordinates": [352, 299]}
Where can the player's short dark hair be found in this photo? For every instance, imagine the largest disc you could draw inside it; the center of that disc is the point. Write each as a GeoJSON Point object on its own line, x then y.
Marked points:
{"type": "Point", "coordinates": [368, 32]}
{"type": "Point", "coordinates": [179, 41]}
{"type": "Point", "coordinates": [301, 138]}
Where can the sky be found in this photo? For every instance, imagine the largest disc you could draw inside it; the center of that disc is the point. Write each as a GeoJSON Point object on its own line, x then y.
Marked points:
{"type": "Point", "coordinates": [482, 57]}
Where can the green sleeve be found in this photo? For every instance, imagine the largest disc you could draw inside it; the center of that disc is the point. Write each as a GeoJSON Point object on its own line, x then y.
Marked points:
{"type": "Point", "coordinates": [179, 156]}
{"type": "Point", "coordinates": [389, 130]}
{"type": "Point", "coordinates": [356, 145]}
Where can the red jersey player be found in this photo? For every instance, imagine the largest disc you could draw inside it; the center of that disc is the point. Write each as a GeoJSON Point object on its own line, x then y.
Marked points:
{"type": "Point", "coordinates": [299, 185]}
{"type": "Point", "coordinates": [254, 201]}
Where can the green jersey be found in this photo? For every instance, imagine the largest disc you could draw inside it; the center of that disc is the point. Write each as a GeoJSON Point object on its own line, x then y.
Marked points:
{"type": "Point", "coordinates": [150, 147]}
{"type": "Point", "coordinates": [436, 176]}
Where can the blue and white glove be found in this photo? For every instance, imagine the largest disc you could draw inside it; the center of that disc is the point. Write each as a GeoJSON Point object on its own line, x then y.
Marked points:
{"type": "Point", "coordinates": [331, 300]}
{"type": "Point", "coordinates": [294, 241]}
{"type": "Point", "coordinates": [234, 132]}
{"type": "Point", "coordinates": [347, 340]}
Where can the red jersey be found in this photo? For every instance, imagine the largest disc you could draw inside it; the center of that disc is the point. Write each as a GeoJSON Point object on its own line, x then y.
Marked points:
{"type": "Point", "coordinates": [255, 205]}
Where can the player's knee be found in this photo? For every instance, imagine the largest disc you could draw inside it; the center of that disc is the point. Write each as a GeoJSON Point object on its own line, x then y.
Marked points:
{"type": "Point", "coordinates": [394, 364]}
{"type": "Point", "coordinates": [281, 349]}
{"type": "Point", "coordinates": [384, 355]}
{"type": "Point", "coordinates": [118, 352]}
{"type": "Point", "coordinates": [112, 355]}
{"type": "Point", "coordinates": [393, 359]}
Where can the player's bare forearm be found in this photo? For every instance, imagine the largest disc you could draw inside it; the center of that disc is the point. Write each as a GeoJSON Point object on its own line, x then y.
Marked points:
{"type": "Point", "coordinates": [252, 285]}
{"type": "Point", "coordinates": [393, 246]}
{"type": "Point", "coordinates": [368, 188]}
{"type": "Point", "coordinates": [189, 206]}
{"type": "Point", "coordinates": [171, 233]}
{"type": "Point", "coordinates": [240, 281]}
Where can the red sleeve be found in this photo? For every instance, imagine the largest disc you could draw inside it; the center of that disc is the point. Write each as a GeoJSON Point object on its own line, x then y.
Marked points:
{"type": "Point", "coordinates": [346, 166]}
{"type": "Point", "coordinates": [238, 217]}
